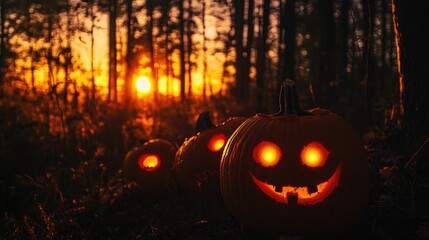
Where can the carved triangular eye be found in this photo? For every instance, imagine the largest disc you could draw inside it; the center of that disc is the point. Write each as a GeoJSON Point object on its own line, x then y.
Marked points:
{"type": "Point", "coordinates": [314, 154]}
{"type": "Point", "coordinates": [217, 142]}
{"type": "Point", "coordinates": [149, 162]}
{"type": "Point", "coordinates": [267, 154]}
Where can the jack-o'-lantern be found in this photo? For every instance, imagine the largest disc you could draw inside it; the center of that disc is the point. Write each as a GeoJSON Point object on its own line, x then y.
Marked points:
{"type": "Point", "coordinates": [196, 165]}
{"type": "Point", "coordinates": [147, 167]}
{"type": "Point", "coordinates": [296, 172]}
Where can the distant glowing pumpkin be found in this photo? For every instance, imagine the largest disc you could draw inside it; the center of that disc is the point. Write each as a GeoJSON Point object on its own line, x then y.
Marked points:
{"type": "Point", "coordinates": [295, 172]}
{"type": "Point", "coordinates": [148, 166]}
{"type": "Point", "coordinates": [196, 164]}
{"type": "Point", "coordinates": [149, 162]}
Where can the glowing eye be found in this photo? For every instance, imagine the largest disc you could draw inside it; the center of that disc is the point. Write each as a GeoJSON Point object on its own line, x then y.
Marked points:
{"type": "Point", "coordinates": [314, 155]}
{"type": "Point", "coordinates": [267, 154]}
{"type": "Point", "coordinates": [149, 162]}
{"type": "Point", "coordinates": [217, 142]}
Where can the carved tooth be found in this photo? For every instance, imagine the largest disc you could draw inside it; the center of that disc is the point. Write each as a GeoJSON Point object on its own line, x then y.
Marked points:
{"type": "Point", "coordinates": [278, 188]}
{"type": "Point", "coordinates": [311, 189]}
{"type": "Point", "coordinates": [292, 197]}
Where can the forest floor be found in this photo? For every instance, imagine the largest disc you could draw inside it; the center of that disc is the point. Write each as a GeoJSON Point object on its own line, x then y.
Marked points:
{"type": "Point", "coordinates": [89, 199]}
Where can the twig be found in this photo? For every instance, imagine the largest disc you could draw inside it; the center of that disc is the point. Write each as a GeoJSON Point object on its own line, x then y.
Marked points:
{"type": "Point", "coordinates": [415, 154]}
{"type": "Point", "coordinates": [54, 91]}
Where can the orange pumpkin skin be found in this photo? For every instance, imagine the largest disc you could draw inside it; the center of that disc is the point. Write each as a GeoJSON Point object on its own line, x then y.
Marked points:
{"type": "Point", "coordinates": [148, 165]}
{"type": "Point", "coordinates": [331, 210]}
{"type": "Point", "coordinates": [196, 164]}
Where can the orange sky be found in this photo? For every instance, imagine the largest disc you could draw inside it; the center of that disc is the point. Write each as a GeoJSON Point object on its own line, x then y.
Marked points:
{"type": "Point", "coordinates": [81, 51]}
{"type": "Point", "coordinates": [82, 47]}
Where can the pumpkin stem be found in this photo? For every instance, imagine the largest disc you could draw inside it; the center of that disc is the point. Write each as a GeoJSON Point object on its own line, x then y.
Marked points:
{"type": "Point", "coordinates": [203, 122]}
{"type": "Point", "coordinates": [289, 101]}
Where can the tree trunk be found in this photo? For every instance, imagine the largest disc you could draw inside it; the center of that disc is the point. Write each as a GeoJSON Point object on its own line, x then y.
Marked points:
{"type": "Point", "coordinates": [412, 64]}
{"type": "Point", "coordinates": [112, 91]}
{"type": "Point", "coordinates": [238, 20]}
{"type": "Point", "coordinates": [153, 70]}
{"type": "Point", "coordinates": [244, 91]}
{"type": "Point", "coordinates": [93, 107]}
{"type": "Point", "coordinates": [242, 62]}
{"type": "Point", "coordinates": [261, 55]}
{"type": "Point", "coordinates": [203, 19]}
{"type": "Point", "coordinates": [290, 45]}
{"type": "Point", "coordinates": [2, 45]}
{"type": "Point", "coordinates": [228, 43]}
{"type": "Point", "coordinates": [369, 68]}
{"type": "Point", "coordinates": [167, 47]}
{"type": "Point", "coordinates": [326, 70]}
{"type": "Point", "coordinates": [189, 46]}
{"type": "Point", "coordinates": [281, 46]}
{"type": "Point", "coordinates": [343, 45]}
{"type": "Point", "coordinates": [49, 57]}
{"type": "Point", "coordinates": [67, 58]}
{"type": "Point", "coordinates": [128, 81]}
{"type": "Point", "coordinates": [182, 51]}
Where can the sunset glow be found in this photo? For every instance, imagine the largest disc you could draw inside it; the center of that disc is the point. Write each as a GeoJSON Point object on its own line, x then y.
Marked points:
{"type": "Point", "coordinates": [143, 84]}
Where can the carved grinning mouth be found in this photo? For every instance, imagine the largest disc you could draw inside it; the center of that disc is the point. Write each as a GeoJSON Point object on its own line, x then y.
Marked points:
{"type": "Point", "coordinates": [307, 195]}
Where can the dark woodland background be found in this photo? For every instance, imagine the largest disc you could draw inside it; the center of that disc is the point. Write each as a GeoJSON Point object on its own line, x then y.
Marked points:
{"type": "Point", "coordinates": [63, 136]}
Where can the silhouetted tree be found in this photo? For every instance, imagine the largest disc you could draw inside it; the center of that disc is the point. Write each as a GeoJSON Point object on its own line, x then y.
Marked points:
{"type": "Point", "coordinates": [326, 69]}
{"type": "Point", "coordinates": [286, 43]}
{"type": "Point", "coordinates": [343, 44]}
{"type": "Point", "coordinates": [166, 7]}
{"type": "Point", "coordinates": [182, 50]}
{"type": "Point", "coordinates": [262, 47]}
{"type": "Point", "coordinates": [243, 43]}
{"type": "Point", "coordinates": [190, 29]}
{"type": "Point", "coordinates": [203, 20]}
{"type": "Point", "coordinates": [150, 37]}
{"type": "Point", "coordinates": [112, 94]}
{"type": "Point", "coordinates": [128, 81]}
{"type": "Point", "coordinates": [289, 38]}
{"type": "Point", "coordinates": [3, 40]}
{"type": "Point", "coordinates": [412, 64]}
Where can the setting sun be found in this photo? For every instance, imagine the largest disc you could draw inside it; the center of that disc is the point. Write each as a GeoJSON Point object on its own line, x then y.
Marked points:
{"type": "Point", "coordinates": [143, 84]}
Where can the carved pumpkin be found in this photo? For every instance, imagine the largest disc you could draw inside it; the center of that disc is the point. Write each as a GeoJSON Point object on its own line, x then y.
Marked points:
{"type": "Point", "coordinates": [148, 165]}
{"type": "Point", "coordinates": [196, 165]}
{"type": "Point", "coordinates": [295, 172]}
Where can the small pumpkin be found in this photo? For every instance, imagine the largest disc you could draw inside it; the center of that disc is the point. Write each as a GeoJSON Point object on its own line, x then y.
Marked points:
{"type": "Point", "coordinates": [295, 172]}
{"type": "Point", "coordinates": [196, 164]}
{"type": "Point", "coordinates": [147, 167]}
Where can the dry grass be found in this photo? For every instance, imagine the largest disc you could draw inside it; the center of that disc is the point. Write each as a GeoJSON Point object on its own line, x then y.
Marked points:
{"type": "Point", "coordinates": [47, 193]}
